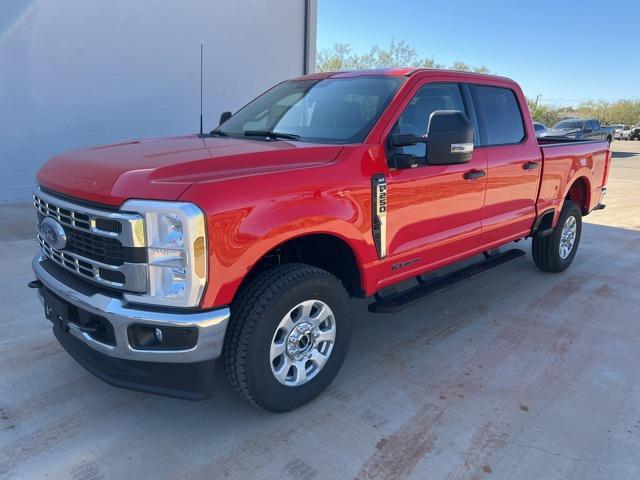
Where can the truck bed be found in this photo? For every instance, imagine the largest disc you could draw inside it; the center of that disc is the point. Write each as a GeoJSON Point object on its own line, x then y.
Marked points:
{"type": "Point", "coordinates": [587, 160]}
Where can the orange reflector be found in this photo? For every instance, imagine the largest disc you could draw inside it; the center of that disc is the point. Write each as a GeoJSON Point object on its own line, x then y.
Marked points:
{"type": "Point", "coordinates": [200, 257]}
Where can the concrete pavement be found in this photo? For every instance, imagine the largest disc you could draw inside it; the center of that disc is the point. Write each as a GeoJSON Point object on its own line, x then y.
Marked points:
{"type": "Point", "coordinates": [516, 375]}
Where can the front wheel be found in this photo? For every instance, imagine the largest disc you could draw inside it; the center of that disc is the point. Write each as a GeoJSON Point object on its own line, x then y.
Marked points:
{"type": "Point", "coordinates": [555, 252]}
{"type": "Point", "coordinates": [288, 337]}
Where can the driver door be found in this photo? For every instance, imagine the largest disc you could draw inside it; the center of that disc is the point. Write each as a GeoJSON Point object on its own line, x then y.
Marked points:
{"type": "Point", "coordinates": [434, 212]}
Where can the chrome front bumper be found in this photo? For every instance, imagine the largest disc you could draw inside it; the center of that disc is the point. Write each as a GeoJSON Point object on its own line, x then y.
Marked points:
{"type": "Point", "coordinates": [211, 325]}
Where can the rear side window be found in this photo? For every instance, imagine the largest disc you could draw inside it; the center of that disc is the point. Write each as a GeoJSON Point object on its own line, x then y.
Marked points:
{"type": "Point", "coordinates": [499, 116]}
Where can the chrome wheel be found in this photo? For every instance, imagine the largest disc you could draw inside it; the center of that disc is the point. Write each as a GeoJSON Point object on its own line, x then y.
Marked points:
{"type": "Point", "coordinates": [568, 237]}
{"type": "Point", "coordinates": [302, 343]}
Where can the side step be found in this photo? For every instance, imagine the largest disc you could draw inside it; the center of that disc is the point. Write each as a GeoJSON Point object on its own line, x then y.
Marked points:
{"type": "Point", "coordinates": [401, 300]}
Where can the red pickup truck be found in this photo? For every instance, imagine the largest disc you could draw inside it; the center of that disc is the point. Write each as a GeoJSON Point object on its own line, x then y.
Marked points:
{"type": "Point", "coordinates": [158, 257]}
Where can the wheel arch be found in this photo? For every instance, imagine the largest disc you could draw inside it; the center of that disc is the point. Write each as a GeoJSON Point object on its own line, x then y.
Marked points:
{"type": "Point", "coordinates": [580, 192]}
{"type": "Point", "coordinates": [323, 250]}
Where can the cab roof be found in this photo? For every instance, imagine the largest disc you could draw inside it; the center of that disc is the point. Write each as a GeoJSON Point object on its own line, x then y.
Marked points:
{"type": "Point", "coordinates": [397, 72]}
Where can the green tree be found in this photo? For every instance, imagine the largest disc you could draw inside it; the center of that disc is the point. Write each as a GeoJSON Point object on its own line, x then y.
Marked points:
{"type": "Point", "coordinates": [399, 54]}
{"type": "Point", "coordinates": [549, 115]}
{"type": "Point", "coordinates": [337, 58]}
{"type": "Point", "coordinates": [626, 112]}
{"type": "Point", "coordinates": [461, 66]}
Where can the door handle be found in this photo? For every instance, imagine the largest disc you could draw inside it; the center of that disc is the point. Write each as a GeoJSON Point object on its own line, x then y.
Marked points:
{"type": "Point", "coordinates": [530, 165]}
{"type": "Point", "coordinates": [473, 174]}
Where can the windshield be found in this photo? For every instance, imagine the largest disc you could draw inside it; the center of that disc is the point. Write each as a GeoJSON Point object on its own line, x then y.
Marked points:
{"type": "Point", "coordinates": [341, 110]}
{"type": "Point", "coordinates": [570, 125]}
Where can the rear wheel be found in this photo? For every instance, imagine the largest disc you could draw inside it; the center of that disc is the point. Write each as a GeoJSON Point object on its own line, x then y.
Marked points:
{"type": "Point", "coordinates": [289, 334]}
{"type": "Point", "coordinates": [555, 252]}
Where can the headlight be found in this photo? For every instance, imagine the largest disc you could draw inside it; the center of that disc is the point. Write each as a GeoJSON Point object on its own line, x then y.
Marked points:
{"type": "Point", "coordinates": [176, 251]}
{"type": "Point", "coordinates": [574, 136]}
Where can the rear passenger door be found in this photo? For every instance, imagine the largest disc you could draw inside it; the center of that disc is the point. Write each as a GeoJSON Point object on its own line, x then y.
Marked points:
{"type": "Point", "coordinates": [514, 164]}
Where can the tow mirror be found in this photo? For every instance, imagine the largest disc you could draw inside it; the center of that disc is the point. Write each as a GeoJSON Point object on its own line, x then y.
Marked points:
{"type": "Point", "coordinates": [449, 138]}
{"type": "Point", "coordinates": [224, 116]}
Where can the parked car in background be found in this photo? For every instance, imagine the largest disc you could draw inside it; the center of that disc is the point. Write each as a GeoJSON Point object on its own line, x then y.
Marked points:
{"type": "Point", "coordinates": [539, 127]}
{"type": "Point", "coordinates": [617, 131]}
{"type": "Point", "coordinates": [624, 134]}
{"type": "Point", "coordinates": [579, 129]}
{"type": "Point", "coordinates": [634, 132]}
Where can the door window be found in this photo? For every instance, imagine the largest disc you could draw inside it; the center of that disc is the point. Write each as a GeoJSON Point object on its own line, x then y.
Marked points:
{"type": "Point", "coordinates": [499, 116]}
{"type": "Point", "coordinates": [415, 118]}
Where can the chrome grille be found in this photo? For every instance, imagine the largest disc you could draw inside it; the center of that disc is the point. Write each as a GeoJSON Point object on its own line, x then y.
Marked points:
{"type": "Point", "coordinates": [96, 242]}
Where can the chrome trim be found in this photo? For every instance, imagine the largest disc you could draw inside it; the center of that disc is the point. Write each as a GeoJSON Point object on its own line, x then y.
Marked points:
{"type": "Point", "coordinates": [462, 148]}
{"type": "Point", "coordinates": [132, 225]}
{"type": "Point", "coordinates": [211, 324]}
{"type": "Point", "coordinates": [135, 274]}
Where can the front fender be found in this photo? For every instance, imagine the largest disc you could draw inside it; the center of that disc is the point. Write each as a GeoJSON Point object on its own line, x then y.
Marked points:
{"type": "Point", "coordinates": [247, 218]}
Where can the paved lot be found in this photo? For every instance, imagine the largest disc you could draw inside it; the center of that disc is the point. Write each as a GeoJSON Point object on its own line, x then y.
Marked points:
{"type": "Point", "coordinates": [516, 375]}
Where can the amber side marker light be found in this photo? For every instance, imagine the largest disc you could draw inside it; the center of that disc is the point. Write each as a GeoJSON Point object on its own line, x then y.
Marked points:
{"type": "Point", "coordinates": [199, 256]}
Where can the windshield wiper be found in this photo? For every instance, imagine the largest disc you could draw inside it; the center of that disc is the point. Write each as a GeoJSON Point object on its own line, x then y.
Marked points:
{"type": "Point", "coordinates": [219, 133]}
{"type": "Point", "coordinates": [268, 133]}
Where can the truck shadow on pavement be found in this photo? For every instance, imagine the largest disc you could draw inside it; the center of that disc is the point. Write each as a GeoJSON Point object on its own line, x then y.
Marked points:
{"type": "Point", "coordinates": [624, 154]}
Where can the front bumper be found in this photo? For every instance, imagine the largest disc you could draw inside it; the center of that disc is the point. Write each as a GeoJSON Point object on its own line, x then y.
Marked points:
{"type": "Point", "coordinates": [183, 373]}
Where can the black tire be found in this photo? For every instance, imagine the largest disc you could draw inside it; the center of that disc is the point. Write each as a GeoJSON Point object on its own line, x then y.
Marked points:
{"type": "Point", "coordinates": [255, 316]}
{"type": "Point", "coordinates": [546, 250]}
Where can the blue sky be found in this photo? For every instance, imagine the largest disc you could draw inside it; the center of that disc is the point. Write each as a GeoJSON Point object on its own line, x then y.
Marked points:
{"type": "Point", "coordinates": [566, 51]}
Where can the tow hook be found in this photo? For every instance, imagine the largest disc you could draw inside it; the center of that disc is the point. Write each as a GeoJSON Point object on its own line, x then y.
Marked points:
{"type": "Point", "coordinates": [35, 284]}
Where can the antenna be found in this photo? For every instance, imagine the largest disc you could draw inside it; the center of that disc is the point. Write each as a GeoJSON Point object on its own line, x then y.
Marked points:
{"type": "Point", "coordinates": [201, 90]}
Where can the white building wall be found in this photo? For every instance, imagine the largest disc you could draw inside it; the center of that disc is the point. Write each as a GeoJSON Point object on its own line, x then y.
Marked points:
{"type": "Point", "coordinates": [84, 72]}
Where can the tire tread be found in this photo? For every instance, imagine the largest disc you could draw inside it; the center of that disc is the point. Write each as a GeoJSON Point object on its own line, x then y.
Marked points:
{"type": "Point", "coordinates": [251, 304]}
{"type": "Point", "coordinates": [543, 249]}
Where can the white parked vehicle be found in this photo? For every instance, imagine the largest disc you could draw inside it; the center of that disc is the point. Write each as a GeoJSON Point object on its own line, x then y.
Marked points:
{"type": "Point", "coordinates": [625, 133]}
{"type": "Point", "coordinates": [617, 131]}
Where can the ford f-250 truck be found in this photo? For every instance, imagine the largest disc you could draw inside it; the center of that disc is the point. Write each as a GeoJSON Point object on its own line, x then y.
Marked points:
{"type": "Point", "coordinates": [158, 257]}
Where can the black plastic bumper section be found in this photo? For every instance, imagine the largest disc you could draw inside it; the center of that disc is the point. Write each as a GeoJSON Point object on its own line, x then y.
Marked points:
{"type": "Point", "coordinates": [192, 381]}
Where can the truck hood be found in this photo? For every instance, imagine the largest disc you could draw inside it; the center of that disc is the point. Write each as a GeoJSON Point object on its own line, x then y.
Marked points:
{"type": "Point", "coordinates": [162, 169]}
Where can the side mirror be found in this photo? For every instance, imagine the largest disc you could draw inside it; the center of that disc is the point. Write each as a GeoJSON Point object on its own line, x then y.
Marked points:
{"type": "Point", "coordinates": [449, 138]}
{"type": "Point", "coordinates": [224, 116]}
{"type": "Point", "coordinates": [587, 130]}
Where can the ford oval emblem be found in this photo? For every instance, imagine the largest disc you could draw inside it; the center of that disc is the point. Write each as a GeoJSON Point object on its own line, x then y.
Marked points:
{"type": "Point", "coordinates": [53, 233]}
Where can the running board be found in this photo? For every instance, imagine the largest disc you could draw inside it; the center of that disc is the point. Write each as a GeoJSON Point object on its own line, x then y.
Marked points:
{"type": "Point", "coordinates": [401, 300]}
